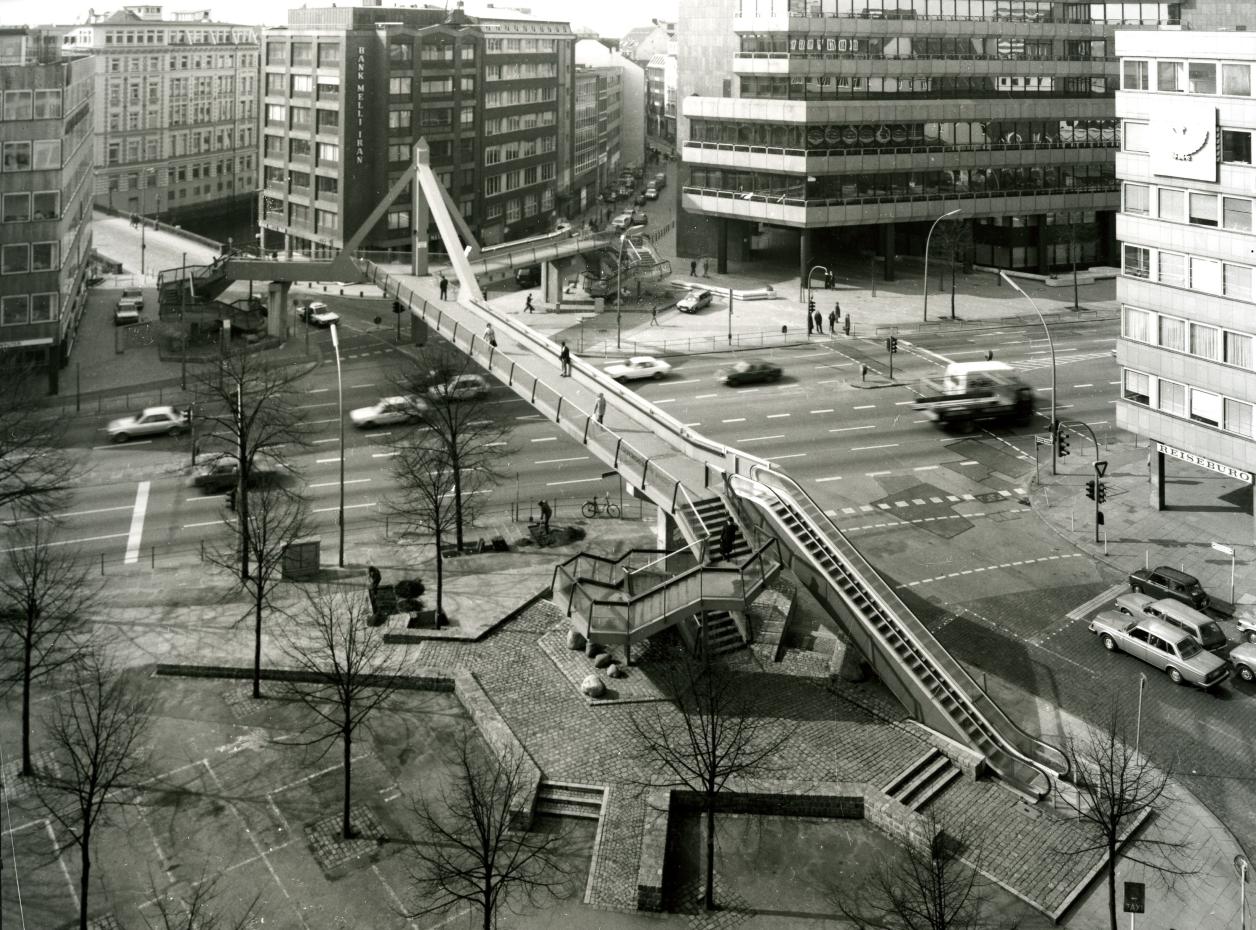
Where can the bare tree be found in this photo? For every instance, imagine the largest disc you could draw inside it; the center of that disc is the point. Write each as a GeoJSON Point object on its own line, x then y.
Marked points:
{"type": "Point", "coordinates": [926, 887]}
{"type": "Point", "coordinates": [276, 518]}
{"type": "Point", "coordinates": [347, 672]}
{"type": "Point", "coordinates": [45, 596]}
{"type": "Point", "coordinates": [717, 736]}
{"type": "Point", "coordinates": [425, 498]}
{"type": "Point", "coordinates": [248, 413]}
{"type": "Point", "coordinates": [200, 909]}
{"type": "Point", "coordinates": [459, 422]}
{"type": "Point", "coordinates": [97, 731]}
{"type": "Point", "coordinates": [1115, 787]}
{"type": "Point", "coordinates": [35, 470]}
{"type": "Point", "coordinates": [468, 851]}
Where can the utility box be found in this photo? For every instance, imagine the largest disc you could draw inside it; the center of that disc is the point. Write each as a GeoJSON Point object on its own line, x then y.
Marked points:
{"type": "Point", "coordinates": [302, 558]}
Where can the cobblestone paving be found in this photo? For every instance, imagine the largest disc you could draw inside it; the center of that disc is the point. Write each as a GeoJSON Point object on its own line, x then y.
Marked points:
{"type": "Point", "coordinates": [635, 686]}
{"type": "Point", "coordinates": [333, 852]}
{"type": "Point", "coordinates": [13, 786]}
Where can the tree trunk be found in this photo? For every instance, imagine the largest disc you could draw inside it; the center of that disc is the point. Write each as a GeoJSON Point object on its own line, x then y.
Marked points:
{"type": "Point", "coordinates": [86, 857]}
{"type": "Point", "coordinates": [348, 741]}
{"type": "Point", "coordinates": [27, 659]}
{"type": "Point", "coordinates": [487, 906]}
{"type": "Point", "coordinates": [242, 515]}
{"type": "Point", "coordinates": [457, 502]}
{"type": "Point", "coordinates": [257, 642]}
{"type": "Point", "coordinates": [440, 576]}
{"type": "Point", "coordinates": [708, 901]}
{"type": "Point", "coordinates": [1112, 884]}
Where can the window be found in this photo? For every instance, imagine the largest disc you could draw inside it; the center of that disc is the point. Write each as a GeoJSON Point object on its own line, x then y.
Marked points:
{"type": "Point", "coordinates": [399, 86]}
{"type": "Point", "coordinates": [493, 185]}
{"type": "Point", "coordinates": [1173, 333]}
{"type": "Point", "coordinates": [1203, 77]}
{"type": "Point", "coordinates": [303, 53]}
{"type": "Point", "coordinates": [1172, 267]}
{"type": "Point", "coordinates": [512, 211]}
{"type": "Point", "coordinates": [17, 156]}
{"type": "Point", "coordinates": [1238, 281]}
{"type": "Point", "coordinates": [15, 259]}
{"type": "Point", "coordinates": [1172, 204]}
{"type": "Point", "coordinates": [17, 208]}
{"type": "Point", "coordinates": [326, 188]}
{"type": "Point", "coordinates": [301, 116]}
{"type": "Point", "coordinates": [1238, 417]}
{"type": "Point", "coordinates": [1137, 198]}
{"type": "Point", "coordinates": [1236, 146]}
{"type": "Point", "coordinates": [1236, 80]}
{"type": "Point", "coordinates": [1173, 398]}
{"type": "Point", "coordinates": [400, 52]}
{"type": "Point", "coordinates": [398, 119]}
{"type": "Point", "coordinates": [18, 104]}
{"type": "Point", "coordinates": [1206, 275]}
{"type": "Point", "coordinates": [301, 84]}
{"type": "Point", "coordinates": [1137, 136]}
{"type": "Point", "coordinates": [1238, 350]}
{"type": "Point", "coordinates": [399, 152]}
{"type": "Point", "coordinates": [1134, 74]}
{"type": "Point", "coordinates": [46, 205]}
{"type": "Point", "coordinates": [1205, 341]}
{"type": "Point", "coordinates": [276, 113]}
{"type": "Point", "coordinates": [328, 55]}
{"type": "Point", "coordinates": [1138, 325]}
{"type": "Point", "coordinates": [47, 104]}
{"type": "Point", "coordinates": [1171, 76]}
{"type": "Point", "coordinates": [1137, 386]}
{"type": "Point", "coordinates": [328, 153]}
{"type": "Point", "coordinates": [1205, 407]}
{"type": "Point", "coordinates": [466, 117]}
{"type": "Point", "coordinates": [399, 219]}
{"type": "Point", "coordinates": [276, 53]}
{"type": "Point", "coordinates": [43, 308]}
{"type": "Point", "coordinates": [1137, 261]}
{"type": "Point", "coordinates": [15, 311]}
{"type": "Point", "coordinates": [529, 205]}
{"type": "Point", "coordinates": [326, 220]}
{"type": "Point", "coordinates": [1203, 209]}
{"type": "Point", "coordinates": [47, 154]}
{"type": "Point", "coordinates": [43, 256]}
{"type": "Point", "coordinates": [1236, 213]}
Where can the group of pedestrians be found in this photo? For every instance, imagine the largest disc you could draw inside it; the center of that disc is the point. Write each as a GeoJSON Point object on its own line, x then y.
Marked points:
{"type": "Point", "coordinates": [815, 321]}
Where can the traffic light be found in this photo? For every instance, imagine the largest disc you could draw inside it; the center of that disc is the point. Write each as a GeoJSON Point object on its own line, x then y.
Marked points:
{"type": "Point", "coordinates": [1061, 443]}
{"type": "Point", "coordinates": [1101, 492]}
{"type": "Point", "coordinates": [893, 344]}
{"type": "Point", "coordinates": [398, 307]}
{"type": "Point", "coordinates": [1090, 490]}
{"type": "Point", "coordinates": [811, 305]}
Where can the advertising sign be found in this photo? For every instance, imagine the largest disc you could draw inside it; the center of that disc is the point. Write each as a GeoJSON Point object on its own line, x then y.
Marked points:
{"type": "Point", "coordinates": [1184, 139]}
{"type": "Point", "coordinates": [1204, 463]}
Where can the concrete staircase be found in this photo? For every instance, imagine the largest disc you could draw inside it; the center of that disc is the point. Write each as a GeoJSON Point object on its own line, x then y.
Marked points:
{"type": "Point", "coordinates": [722, 635]}
{"type": "Point", "coordinates": [923, 780]}
{"type": "Point", "coordinates": [566, 799]}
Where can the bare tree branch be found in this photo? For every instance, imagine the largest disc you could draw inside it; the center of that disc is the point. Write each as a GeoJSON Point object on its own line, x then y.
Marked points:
{"type": "Point", "coordinates": [36, 472]}
{"type": "Point", "coordinates": [200, 909]}
{"type": "Point", "coordinates": [425, 498]}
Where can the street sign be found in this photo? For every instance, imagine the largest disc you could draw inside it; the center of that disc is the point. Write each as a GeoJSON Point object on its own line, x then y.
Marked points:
{"type": "Point", "coordinates": [1100, 468]}
{"type": "Point", "coordinates": [1135, 895]}
{"type": "Point", "coordinates": [1228, 550]}
{"type": "Point", "coordinates": [1042, 440]}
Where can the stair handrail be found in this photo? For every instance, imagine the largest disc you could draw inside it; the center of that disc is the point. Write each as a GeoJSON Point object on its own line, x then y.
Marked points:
{"type": "Point", "coordinates": [1042, 755]}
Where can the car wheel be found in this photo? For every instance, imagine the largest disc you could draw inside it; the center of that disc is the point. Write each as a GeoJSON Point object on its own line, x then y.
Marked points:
{"type": "Point", "coordinates": [1246, 673]}
{"type": "Point", "coordinates": [175, 431]}
{"type": "Point", "coordinates": [1136, 588]}
{"type": "Point", "coordinates": [1251, 636]}
{"type": "Point", "coordinates": [1174, 675]}
{"type": "Point", "coordinates": [1108, 642]}
{"type": "Point", "coordinates": [121, 437]}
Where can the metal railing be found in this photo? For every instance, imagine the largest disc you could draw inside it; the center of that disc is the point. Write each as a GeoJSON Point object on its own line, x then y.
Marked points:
{"type": "Point", "coordinates": [920, 148]}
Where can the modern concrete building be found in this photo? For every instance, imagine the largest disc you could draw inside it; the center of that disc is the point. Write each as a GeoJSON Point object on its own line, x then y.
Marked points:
{"type": "Point", "coordinates": [176, 114]}
{"type": "Point", "coordinates": [1187, 348]}
{"type": "Point", "coordinates": [594, 53]}
{"type": "Point", "coordinates": [349, 90]}
{"type": "Point", "coordinates": [828, 125]}
{"type": "Point", "coordinates": [598, 133]}
{"type": "Point", "coordinates": [660, 100]}
{"type": "Point", "coordinates": [45, 195]}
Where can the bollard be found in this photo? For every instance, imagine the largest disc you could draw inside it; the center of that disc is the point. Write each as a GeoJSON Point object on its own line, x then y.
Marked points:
{"type": "Point", "coordinates": [152, 557]}
{"type": "Point", "coordinates": [102, 564]}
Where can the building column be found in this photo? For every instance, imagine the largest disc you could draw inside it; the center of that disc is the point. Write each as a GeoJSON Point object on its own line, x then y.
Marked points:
{"type": "Point", "coordinates": [277, 308]}
{"type": "Point", "coordinates": [418, 213]}
{"type": "Point", "coordinates": [1043, 244]}
{"type": "Point", "coordinates": [887, 249]}
{"type": "Point", "coordinates": [551, 283]}
{"type": "Point", "coordinates": [1155, 475]}
{"type": "Point", "coordinates": [804, 256]}
{"type": "Point", "coordinates": [721, 246]}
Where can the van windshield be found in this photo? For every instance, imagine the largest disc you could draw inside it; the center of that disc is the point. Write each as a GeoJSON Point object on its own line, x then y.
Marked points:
{"type": "Point", "coordinates": [1211, 633]}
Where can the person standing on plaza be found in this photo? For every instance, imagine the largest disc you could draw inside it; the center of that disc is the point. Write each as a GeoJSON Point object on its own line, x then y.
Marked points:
{"type": "Point", "coordinates": [693, 267]}
{"type": "Point", "coordinates": [527, 304]}
{"type": "Point", "coordinates": [819, 323]}
{"type": "Point", "coordinates": [654, 316]}
{"type": "Point", "coordinates": [545, 514]}
{"type": "Point", "coordinates": [832, 321]}
{"type": "Point", "coordinates": [564, 359]}
{"type": "Point", "coordinates": [444, 287]}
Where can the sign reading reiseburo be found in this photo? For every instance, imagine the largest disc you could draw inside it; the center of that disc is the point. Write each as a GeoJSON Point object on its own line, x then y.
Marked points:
{"type": "Point", "coordinates": [1204, 463]}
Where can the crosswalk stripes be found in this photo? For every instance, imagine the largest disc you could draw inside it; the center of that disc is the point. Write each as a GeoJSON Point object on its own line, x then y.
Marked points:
{"type": "Point", "coordinates": [918, 502]}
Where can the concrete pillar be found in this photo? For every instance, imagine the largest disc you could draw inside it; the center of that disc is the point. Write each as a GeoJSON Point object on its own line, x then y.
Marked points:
{"type": "Point", "coordinates": [418, 214]}
{"type": "Point", "coordinates": [1155, 475]}
{"type": "Point", "coordinates": [418, 330]}
{"type": "Point", "coordinates": [552, 283]}
{"type": "Point", "coordinates": [721, 246]}
{"type": "Point", "coordinates": [804, 256]}
{"type": "Point", "coordinates": [277, 308]}
{"type": "Point", "coordinates": [887, 249]}
{"type": "Point", "coordinates": [1043, 243]}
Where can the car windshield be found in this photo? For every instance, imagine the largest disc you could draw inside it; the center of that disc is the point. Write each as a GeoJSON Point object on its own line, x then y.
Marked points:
{"type": "Point", "coordinates": [1188, 648]}
{"type": "Point", "coordinates": [1212, 631]}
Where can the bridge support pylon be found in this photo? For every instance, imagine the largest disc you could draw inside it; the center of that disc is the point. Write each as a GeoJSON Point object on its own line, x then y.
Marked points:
{"type": "Point", "coordinates": [553, 276]}
{"type": "Point", "coordinates": [277, 321]}
{"type": "Point", "coordinates": [418, 213]}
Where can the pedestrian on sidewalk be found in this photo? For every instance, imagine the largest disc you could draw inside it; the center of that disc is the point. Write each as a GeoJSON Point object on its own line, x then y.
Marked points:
{"type": "Point", "coordinates": [833, 321]}
{"type": "Point", "coordinates": [489, 336]}
{"type": "Point", "coordinates": [654, 316]}
{"type": "Point", "coordinates": [527, 304]}
{"type": "Point", "coordinates": [545, 514]}
{"type": "Point", "coordinates": [819, 323]}
{"type": "Point", "coordinates": [444, 286]}
{"type": "Point", "coordinates": [564, 359]}
{"type": "Point", "coordinates": [693, 267]}
{"type": "Point", "coordinates": [811, 325]}
{"type": "Point", "coordinates": [837, 309]}
{"type": "Point", "coordinates": [706, 267]}
{"type": "Point", "coordinates": [599, 407]}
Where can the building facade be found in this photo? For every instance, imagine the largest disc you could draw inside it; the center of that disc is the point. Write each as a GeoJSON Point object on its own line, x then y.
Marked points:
{"type": "Point", "coordinates": [593, 53]}
{"type": "Point", "coordinates": [660, 101]}
{"type": "Point", "coordinates": [860, 121]}
{"type": "Point", "coordinates": [598, 134]}
{"type": "Point", "coordinates": [176, 114]}
{"type": "Point", "coordinates": [1187, 348]}
{"type": "Point", "coordinates": [45, 195]}
{"type": "Point", "coordinates": [348, 91]}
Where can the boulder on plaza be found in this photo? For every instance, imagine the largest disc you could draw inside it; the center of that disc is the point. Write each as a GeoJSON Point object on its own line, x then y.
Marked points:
{"type": "Point", "coordinates": [592, 687]}
{"type": "Point", "coordinates": [575, 640]}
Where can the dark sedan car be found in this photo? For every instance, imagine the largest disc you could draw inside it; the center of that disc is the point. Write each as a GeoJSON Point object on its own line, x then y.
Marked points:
{"type": "Point", "coordinates": [751, 373]}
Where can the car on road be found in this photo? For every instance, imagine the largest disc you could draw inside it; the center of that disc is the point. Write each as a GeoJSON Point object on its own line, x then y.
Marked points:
{"type": "Point", "coordinates": [625, 220]}
{"type": "Point", "coordinates": [1163, 581]}
{"type": "Point", "coordinates": [317, 314]}
{"type": "Point", "coordinates": [151, 421]}
{"type": "Point", "coordinates": [222, 474]}
{"type": "Point", "coordinates": [528, 277]}
{"type": "Point", "coordinates": [750, 373]}
{"type": "Point", "coordinates": [1160, 645]}
{"type": "Point", "coordinates": [135, 295]}
{"type": "Point", "coordinates": [127, 312]}
{"type": "Point", "coordinates": [651, 193]}
{"type": "Point", "coordinates": [694, 301]}
{"type": "Point", "coordinates": [1243, 661]}
{"type": "Point", "coordinates": [1199, 627]}
{"type": "Point", "coordinates": [638, 368]}
{"type": "Point", "coordinates": [1247, 629]}
{"type": "Point", "coordinates": [459, 387]}
{"type": "Point", "coordinates": [404, 408]}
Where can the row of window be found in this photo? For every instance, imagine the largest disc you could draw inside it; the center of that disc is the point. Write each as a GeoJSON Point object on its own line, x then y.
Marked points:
{"type": "Point", "coordinates": [1195, 207]}
{"type": "Point", "coordinates": [1236, 144]}
{"type": "Point", "coordinates": [514, 209]}
{"type": "Point", "coordinates": [1033, 11]}
{"type": "Point", "coordinates": [1188, 403]}
{"type": "Point", "coordinates": [520, 177]}
{"type": "Point", "coordinates": [20, 309]}
{"type": "Point", "coordinates": [517, 96]}
{"type": "Point", "coordinates": [1207, 275]}
{"type": "Point", "coordinates": [38, 155]}
{"type": "Point", "coordinates": [831, 87]}
{"type": "Point", "coordinates": [1180, 77]}
{"type": "Point", "coordinates": [178, 36]}
{"type": "Point", "coordinates": [506, 124]}
{"type": "Point", "coordinates": [22, 206]}
{"type": "Point", "coordinates": [517, 46]}
{"type": "Point", "coordinates": [1198, 339]}
{"type": "Point", "coordinates": [401, 52]}
{"type": "Point", "coordinates": [25, 257]}
{"type": "Point", "coordinates": [978, 133]}
{"type": "Point", "coordinates": [992, 47]}
{"type": "Point", "coordinates": [521, 72]}
{"type": "Point", "coordinates": [278, 52]}
{"type": "Point", "coordinates": [135, 64]}
{"type": "Point", "coordinates": [522, 148]}
{"type": "Point", "coordinates": [31, 104]}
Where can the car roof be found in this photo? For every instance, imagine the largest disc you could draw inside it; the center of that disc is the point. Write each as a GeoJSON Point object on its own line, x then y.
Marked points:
{"type": "Point", "coordinates": [637, 359]}
{"type": "Point", "coordinates": [396, 399]}
{"type": "Point", "coordinates": [165, 409]}
{"type": "Point", "coordinates": [1173, 573]}
{"type": "Point", "coordinates": [1166, 631]}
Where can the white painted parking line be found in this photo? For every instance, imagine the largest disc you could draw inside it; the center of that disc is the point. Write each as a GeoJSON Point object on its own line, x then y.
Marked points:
{"type": "Point", "coordinates": [335, 484]}
{"type": "Point", "coordinates": [884, 445]}
{"type": "Point", "coordinates": [847, 429]}
{"type": "Point", "coordinates": [137, 524]}
{"type": "Point", "coordinates": [574, 458]}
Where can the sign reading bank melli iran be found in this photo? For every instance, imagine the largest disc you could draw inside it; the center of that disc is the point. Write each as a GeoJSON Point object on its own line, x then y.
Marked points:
{"type": "Point", "coordinates": [1204, 463]}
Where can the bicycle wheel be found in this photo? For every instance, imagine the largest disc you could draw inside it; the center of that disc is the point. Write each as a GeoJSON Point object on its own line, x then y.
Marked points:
{"type": "Point", "coordinates": [612, 510]}
{"type": "Point", "coordinates": [589, 509]}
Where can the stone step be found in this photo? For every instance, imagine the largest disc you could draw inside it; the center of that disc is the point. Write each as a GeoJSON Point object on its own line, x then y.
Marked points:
{"type": "Point", "coordinates": [923, 780]}
{"type": "Point", "coordinates": [563, 799]}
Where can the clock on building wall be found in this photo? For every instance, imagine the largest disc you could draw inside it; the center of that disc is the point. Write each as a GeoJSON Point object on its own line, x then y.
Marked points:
{"type": "Point", "coordinates": [1184, 139]}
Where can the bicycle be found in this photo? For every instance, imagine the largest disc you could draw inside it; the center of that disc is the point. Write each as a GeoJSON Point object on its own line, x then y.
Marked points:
{"type": "Point", "coordinates": [592, 508]}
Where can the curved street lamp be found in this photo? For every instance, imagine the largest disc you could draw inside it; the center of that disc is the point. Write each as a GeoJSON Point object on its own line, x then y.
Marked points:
{"type": "Point", "coordinates": [619, 273]}
{"type": "Point", "coordinates": [807, 287]}
{"type": "Point", "coordinates": [1051, 345]}
{"type": "Point", "coordinates": [927, 238]}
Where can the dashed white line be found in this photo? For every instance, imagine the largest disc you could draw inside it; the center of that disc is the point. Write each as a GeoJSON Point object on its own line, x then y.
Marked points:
{"type": "Point", "coordinates": [884, 445]}
{"type": "Point", "coordinates": [574, 458]}
{"type": "Point", "coordinates": [847, 429]}
{"type": "Point", "coordinates": [347, 507]}
{"type": "Point", "coordinates": [864, 407]}
{"type": "Point", "coordinates": [554, 484]}
{"type": "Point", "coordinates": [824, 410]}
{"type": "Point", "coordinates": [875, 474]}
{"type": "Point", "coordinates": [793, 455]}
{"type": "Point", "coordinates": [830, 478]}
{"type": "Point", "coordinates": [734, 420]}
{"type": "Point", "coordinates": [326, 461]}
{"type": "Point", "coordinates": [777, 416]}
{"type": "Point", "coordinates": [704, 396]}
{"type": "Point", "coordinates": [926, 467]}
{"type": "Point", "coordinates": [334, 484]}
{"type": "Point", "coordinates": [761, 438]}
{"type": "Point", "coordinates": [546, 439]}
{"type": "Point", "coordinates": [137, 524]}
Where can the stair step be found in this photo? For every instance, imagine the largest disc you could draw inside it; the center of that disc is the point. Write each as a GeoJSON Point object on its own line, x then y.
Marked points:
{"type": "Point", "coordinates": [905, 777]}
{"type": "Point", "coordinates": [920, 784]}
{"type": "Point", "coordinates": [563, 799]}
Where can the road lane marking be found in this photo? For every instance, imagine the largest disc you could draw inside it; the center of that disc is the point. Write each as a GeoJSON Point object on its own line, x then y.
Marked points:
{"type": "Point", "coordinates": [1082, 385]}
{"type": "Point", "coordinates": [884, 445]}
{"type": "Point", "coordinates": [70, 542]}
{"type": "Point", "coordinates": [992, 568]}
{"type": "Point", "coordinates": [326, 461]}
{"type": "Point", "coordinates": [927, 468]}
{"type": "Point", "coordinates": [383, 455]}
{"type": "Point", "coordinates": [554, 484]}
{"type": "Point", "coordinates": [864, 407]}
{"type": "Point", "coordinates": [875, 474]}
{"type": "Point", "coordinates": [333, 484]}
{"type": "Point", "coordinates": [193, 526]}
{"type": "Point", "coordinates": [119, 446]}
{"type": "Point", "coordinates": [686, 381]}
{"type": "Point", "coordinates": [823, 410]}
{"type": "Point", "coordinates": [847, 429]}
{"type": "Point", "coordinates": [330, 403]}
{"type": "Point", "coordinates": [777, 416]}
{"type": "Point", "coordinates": [903, 403]}
{"type": "Point", "coordinates": [137, 524]}
{"type": "Point", "coordinates": [665, 400]}
{"type": "Point", "coordinates": [792, 455]}
{"type": "Point", "coordinates": [347, 507]}
{"type": "Point", "coordinates": [761, 438]}
{"type": "Point", "coordinates": [318, 390]}
{"type": "Point", "coordinates": [546, 439]}
{"type": "Point", "coordinates": [75, 513]}
{"type": "Point", "coordinates": [704, 396]}
{"type": "Point", "coordinates": [320, 442]}
{"type": "Point", "coordinates": [830, 478]}
{"type": "Point", "coordinates": [574, 458]}
{"type": "Point", "coordinates": [320, 422]}
{"type": "Point", "coordinates": [734, 420]}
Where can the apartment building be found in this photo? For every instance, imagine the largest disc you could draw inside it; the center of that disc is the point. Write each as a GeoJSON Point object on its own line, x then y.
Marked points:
{"type": "Point", "coordinates": [1187, 348]}
{"type": "Point", "coordinates": [177, 108]}
{"type": "Point", "coordinates": [349, 90]}
{"type": "Point", "coordinates": [660, 101]}
{"type": "Point", "coordinates": [45, 199]}
{"type": "Point", "coordinates": [830, 125]}
{"type": "Point", "coordinates": [598, 134]}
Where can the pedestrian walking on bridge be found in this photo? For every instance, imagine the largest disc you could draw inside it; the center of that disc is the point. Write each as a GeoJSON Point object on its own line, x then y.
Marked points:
{"type": "Point", "coordinates": [444, 287]}
{"type": "Point", "coordinates": [564, 359]}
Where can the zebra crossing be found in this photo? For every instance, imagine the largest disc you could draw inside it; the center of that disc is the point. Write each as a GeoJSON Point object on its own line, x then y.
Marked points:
{"type": "Point", "coordinates": [919, 502]}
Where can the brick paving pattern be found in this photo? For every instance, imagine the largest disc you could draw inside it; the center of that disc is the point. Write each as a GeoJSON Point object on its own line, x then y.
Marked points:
{"type": "Point", "coordinates": [635, 686]}
{"type": "Point", "coordinates": [333, 852]}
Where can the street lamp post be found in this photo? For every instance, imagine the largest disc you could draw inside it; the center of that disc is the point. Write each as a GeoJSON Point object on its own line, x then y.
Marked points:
{"type": "Point", "coordinates": [340, 401]}
{"type": "Point", "coordinates": [619, 273]}
{"type": "Point", "coordinates": [927, 238]}
{"type": "Point", "coordinates": [143, 246]}
{"type": "Point", "coordinates": [807, 287]}
{"type": "Point", "coordinates": [1051, 345]}
{"type": "Point", "coordinates": [1138, 721]}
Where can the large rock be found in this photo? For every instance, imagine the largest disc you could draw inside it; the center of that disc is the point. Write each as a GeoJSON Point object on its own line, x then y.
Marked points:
{"type": "Point", "coordinates": [604, 660]}
{"type": "Point", "coordinates": [614, 671]}
{"type": "Point", "coordinates": [592, 687]}
{"type": "Point", "coordinates": [591, 649]}
{"type": "Point", "coordinates": [575, 640]}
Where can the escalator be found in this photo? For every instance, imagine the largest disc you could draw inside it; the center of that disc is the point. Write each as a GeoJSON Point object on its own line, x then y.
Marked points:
{"type": "Point", "coordinates": [201, 283]}
{"type": "Point", "coordinates": [929, 683]}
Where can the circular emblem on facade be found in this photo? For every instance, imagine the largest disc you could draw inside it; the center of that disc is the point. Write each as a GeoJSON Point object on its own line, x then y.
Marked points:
{"type": "Point", "coordinates": [833, 135]}
{"type": "Point", "coordinates": [1185, 141]}
{"type": "Point", "coordinates": [867, 134]}
{"type": "Point", "coordinates": [900, 134]}
{"type": "Point", "coordinates": [850, 135]}
{"type": "Point", "coordinates": [815, 136]}
{"type": "Point", "coordinates": [883, 134]}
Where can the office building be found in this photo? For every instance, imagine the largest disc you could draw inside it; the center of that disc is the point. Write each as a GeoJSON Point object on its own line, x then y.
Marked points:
{"type": "Point", "coordinates": [1187, 348]}
{"type": "Point", "coordinates": [831, 125]}
{"type": "Point", "coordinates": [594, 53]}
{"type": "Point", "coordinates": [660, 103]}
{"type": "Point", "coordinates": [349, 90]}
{"type": "Point", "coordinates": [598, 133]}
{"type": "Point", "coordinates": [45, 194]}
{"type": "Point", "coordinates": [176, 112]}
